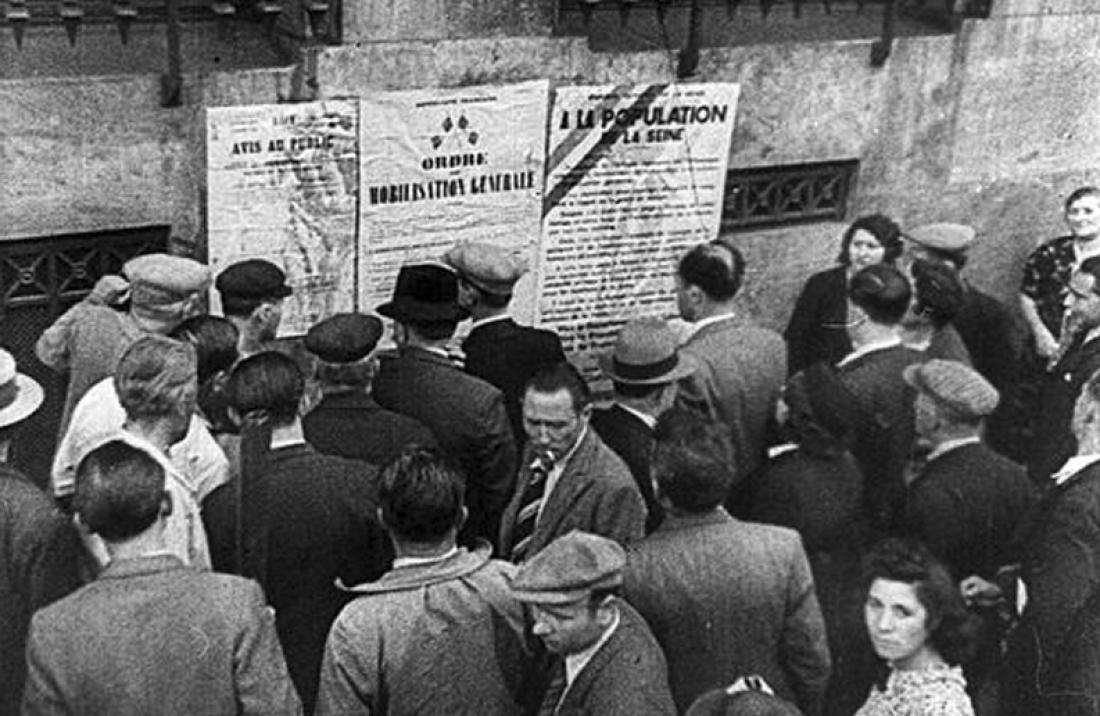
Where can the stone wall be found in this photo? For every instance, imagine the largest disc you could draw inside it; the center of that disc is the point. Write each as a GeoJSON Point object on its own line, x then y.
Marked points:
{"type": "Point", "coordinates": [992, 126]}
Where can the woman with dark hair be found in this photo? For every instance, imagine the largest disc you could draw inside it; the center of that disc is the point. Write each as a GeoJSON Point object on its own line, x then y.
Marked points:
{"type": "Point", "coordinates": [918, 623]}
{"type": "Point", "coordinates": [816, 329]}
{"type": "Point", "coordinates": [938, 295]}
{"type": "Point", "coordinates": [215, 341]}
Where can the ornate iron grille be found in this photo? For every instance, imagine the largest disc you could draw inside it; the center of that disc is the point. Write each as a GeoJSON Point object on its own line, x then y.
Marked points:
{"type": "Point", "coordinates": [776, 196]}
{"type": "Point", "coordinates": [39, 279]}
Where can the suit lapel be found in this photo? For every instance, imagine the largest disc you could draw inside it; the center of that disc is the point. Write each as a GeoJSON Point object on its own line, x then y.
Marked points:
{"type": "Point", "coordinates": [574, 695]}
{"type": "Point", "coordinates": [572, 483]}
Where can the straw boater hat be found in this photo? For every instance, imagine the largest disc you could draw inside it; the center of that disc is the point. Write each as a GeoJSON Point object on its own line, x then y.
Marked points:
{"type": "Point", "coordinates": [20, 395]}
{"type": "Point", "coordinates": [645, 354]}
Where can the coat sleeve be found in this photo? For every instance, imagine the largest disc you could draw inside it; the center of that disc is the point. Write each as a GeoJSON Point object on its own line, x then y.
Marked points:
{"type": "Point", "coordinates": [804, 324]}
{"type": "Point", "coordinates": [497, 457]}
{"type": "Point", "coordinates": [621, 512]}
{"type": "Point", "coordinates": [349, 684]}
{"type": "Point", "coordinates": [44, 692]}
{"type": "Point", "coordinates": [261, 677]}
{"type": "Point", "coordinates": [52, 347]}
{"type": "Point", "coordinates": [805, 649]}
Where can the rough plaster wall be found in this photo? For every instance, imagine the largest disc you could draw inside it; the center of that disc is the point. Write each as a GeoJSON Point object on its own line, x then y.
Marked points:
{"type": "Point", "coordinates": [96, 154]}
{"type": "Point", "coordinates": [389, 20]}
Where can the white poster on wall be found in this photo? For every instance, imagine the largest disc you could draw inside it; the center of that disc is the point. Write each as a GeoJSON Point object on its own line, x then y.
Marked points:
{"type": "Point", "coordinates": [281, 185]}
{"type": "Point", "coordinates": [441, 166]}
{"type": "Point", "coordinates": [635, 176]}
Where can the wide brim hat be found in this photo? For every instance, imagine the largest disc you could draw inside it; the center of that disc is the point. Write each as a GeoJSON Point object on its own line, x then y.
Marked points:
{"type": "Point", "coordinates": [425, 293]}
{"type": "Point", "coordinates": [646, 353]}
{"type": "Point", "coordinates": [20, 395]}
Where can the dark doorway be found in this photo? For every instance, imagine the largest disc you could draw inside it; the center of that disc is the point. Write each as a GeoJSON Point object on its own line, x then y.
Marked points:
{"type": "Point", "coordinates": [39, 279]}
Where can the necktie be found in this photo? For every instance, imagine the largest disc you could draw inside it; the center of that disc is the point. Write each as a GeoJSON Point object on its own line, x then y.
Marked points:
{"type": "Point", "coordinates": [533, 494]}
{"type": "Point", "coordinates": [551, 700]}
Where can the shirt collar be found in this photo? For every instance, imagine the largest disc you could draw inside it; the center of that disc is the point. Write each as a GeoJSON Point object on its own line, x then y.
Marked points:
{"type": "Point", "coordinates": [421, 561]}
{"type": "Point", "coordinates": [649, 420]}
{"type": "Point", "coordinates": [575, 663]}
{"type": "Point", "coordinates": [869, 348]}
{"type": "Point", "coordinates": [491, 319]}
{"type": "Point", "coordinates": [777, 450]}
{"type": "Point", "coordinates": [709, 320]}
{"type": "Point", "coordinates": [949, 445]}
{"type": "Point", "coordinates": [1074, 465]}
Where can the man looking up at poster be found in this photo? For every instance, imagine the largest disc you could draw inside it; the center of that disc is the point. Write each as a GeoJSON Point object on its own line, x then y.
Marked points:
{"type": "Point", "coordinates": [465, 413]}
{"type": "Point", "coordinates": [499, 350]}
{"type": "Point", "coordinates": [252, 294]}
{"type": "Point", "coordinates": [741, 366]}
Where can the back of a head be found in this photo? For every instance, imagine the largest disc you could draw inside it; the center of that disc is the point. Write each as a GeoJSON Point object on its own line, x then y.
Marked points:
{"type": "Point", "coordinates": [939, 292]}
{"type": "Point", "coordinates": [727, 702]}
{"type": "Point", "coordinates": [561, 376]}
{"type": "Point", "coordinates": [882, 292]}
{"type": "Point", "coordinates": [693, 460]}
{"type": "Point", "coordinates": [715, 267]}
{"type": "Point", "coordinates": [421, 495]}
{"type": "Point", "coordinates": [119, 491]}
{"type": "Point", "coordinates": [268, 384]}
{"type": "Point", "coordinates": [215, 342]}
{"type": "Point", "coordinates": [155, 377]}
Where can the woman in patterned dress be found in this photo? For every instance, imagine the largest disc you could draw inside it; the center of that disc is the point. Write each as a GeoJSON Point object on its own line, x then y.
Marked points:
{"type": "Point", "coordinates": [919, 625]}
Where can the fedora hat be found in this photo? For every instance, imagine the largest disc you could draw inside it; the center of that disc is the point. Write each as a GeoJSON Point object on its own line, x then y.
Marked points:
{"type": "Point", "coordinates": [645, 354]}
{"type": "Point", "coordinates": [425, 293]}
{"type": "Point", "coordinates": [20, 395]}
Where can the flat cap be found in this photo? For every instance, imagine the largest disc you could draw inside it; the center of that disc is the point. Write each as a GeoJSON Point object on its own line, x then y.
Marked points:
{"type": "Point", "coordinates": [157, 279]}
{"type": "Point", "coordinates": [959, 387]}
{"type": "Point", "coordinates": [943, 236]}
{"type": "Point", "coordinates": [570, 568]}
{"type": "Point", "coordinates": [253, 278]}
{"type": "Point", "coordinates": [344, 337]}
{"type": "Point", "coordinates": [491, 268]}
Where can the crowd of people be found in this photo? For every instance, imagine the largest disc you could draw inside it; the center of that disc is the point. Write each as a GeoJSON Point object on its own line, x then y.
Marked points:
{"type": "Point", "coordinates": [891, 509]}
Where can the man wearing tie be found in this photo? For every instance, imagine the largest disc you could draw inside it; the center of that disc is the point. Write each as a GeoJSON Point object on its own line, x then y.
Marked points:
{"type": "Point", "coordinates": [568, 479]}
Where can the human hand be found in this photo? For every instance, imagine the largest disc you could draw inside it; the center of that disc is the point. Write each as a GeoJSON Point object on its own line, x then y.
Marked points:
{"type": "Point", "coordinates": [976, 590]}
{"type": "Point", "coordinates": [109, 290]}
{"type": "Point", "coordinates": [1045, 344]}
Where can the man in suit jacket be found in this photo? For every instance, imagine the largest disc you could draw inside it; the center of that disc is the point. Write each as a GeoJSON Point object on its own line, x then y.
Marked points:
{"type": "Point", "coordinates": [723, 597]}
{"type": "Point", "coordinates": [499, 350]}
{"type": "Point", "coordinates": [879, 297]}
{"type": "Point", "coordinates": [1078, 357]}
{"type": "Point", "coordinates": [465, 413]}
{"type": "Point", "coordinates": [644, 369]}
{"type": "Point", "coordinates": [1061, 573]}
{"type": "Point", "coordinates": [348, 422]}
{"type": "Point", "coordinates": [569, 480]}
{"type": "Point", "coordinates": [741, 367]}
{"type": "Point", "coordinates": [295, 520]}
{"type": "Point", "coordinates": [604, 659]}
{"type": "Point", "coordinates": [149, 635]}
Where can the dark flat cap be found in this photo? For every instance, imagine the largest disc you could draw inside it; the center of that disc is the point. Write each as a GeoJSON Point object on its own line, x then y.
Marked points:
{"type": "Point", "coordinates": [425, 293]}
{"type": "Point", "coordinates": [569, 568]}
{"type": "Point", "coordinates": [344, 337]}
{"type": "Point", "coordinates": [254, 278]}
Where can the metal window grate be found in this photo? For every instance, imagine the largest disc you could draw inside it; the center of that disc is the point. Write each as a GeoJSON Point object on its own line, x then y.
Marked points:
{"type": "Point", "coordinates": [777, 196]}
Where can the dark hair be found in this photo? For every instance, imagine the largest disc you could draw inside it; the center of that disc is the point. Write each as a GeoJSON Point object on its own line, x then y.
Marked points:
{"type": "Point", "coordinates": [1079, 194]}
{"type": "Point", "coordinates": [1091, 266]}
{"type": "Point", "coordinates": [717, 268]}
{"type": "Point", "coordinates": [119, 489]}
{"type": "Point", "coordinates": [344, 375]}
{"type": "Point", "coordinates": [692, 461]}
{"type": "Point", "coordinates": [883, 228]}
{"type": "Point", "coordinates": [267, 382]}
{"type": "Point", "coordinates": [561, 376]}
{"type": "Point", "coordinates": [215, 342]}
{"type": "Point", "coordinates": [242, 306]}
{"type": "Point", "coordinates": [938, 291]}
{"type": "Point", "coordinates": [637, 392]}
{"type": "Point", "coordinates": [492, 300]}
{"type": "Point", "coordinates": [882, 292]}
{"type": "Point", "coordinates": [951, 627]}
{"type": "Point", "coordinates": [432, 330]}
{"type": "Point", "coordinates": [723, 702]}
{"type": "Point", "coordinates": [421, 495]}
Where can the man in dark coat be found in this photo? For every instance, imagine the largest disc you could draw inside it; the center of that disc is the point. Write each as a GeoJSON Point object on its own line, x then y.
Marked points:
{"type": "Point", "coordinates": [605, 660]}
{"type": "Point", "coordinates": [38, 546]}
{"type": "Point", "coordinates": [465, 413]}
{"type": "Point", "coordinates": [295, 520]}
{"type": "Point", "coordinates": [723, 597]}
{"type": "Point", "coordinates": [499, 350]}
{"type": "Point", "coordinates": [1062, 575]}
{"type": "Point", "coordinates": [1077, 358]}
{"type": "Point", "coordinates": [569, 480]}
{"type": "Point", "coordinates": [149, 635]}
{"type": "Point", "coordinates": [644, 369]}
{"type": "Point", "coordinates": [883, 440]}
{"type": "Point", "coordinates": [348, 422]}
{"type": "Point", "coordinates": [740, 366]}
